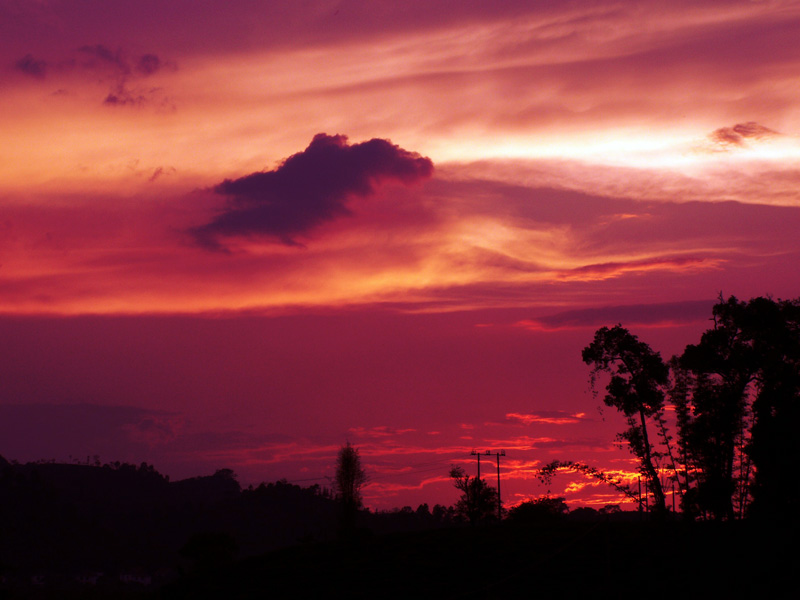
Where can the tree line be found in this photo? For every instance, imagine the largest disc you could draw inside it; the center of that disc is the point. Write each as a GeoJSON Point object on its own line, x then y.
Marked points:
{"type": "Point", "coordinates": [734, 399]}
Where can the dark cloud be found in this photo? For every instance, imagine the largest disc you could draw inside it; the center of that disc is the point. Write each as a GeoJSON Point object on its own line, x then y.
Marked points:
{"type": "Point", "coordinates": [45, 431]}
{"type": "Point", "coordinates": [102, 55]}
{"type": "Point", "coordinates": [159, 172]}
{"type": "Point", "coordinates": [740, 132]}
{"type": "Point", "coordinates": [309, 188]}
{"type": "Point", "coordinates": [121, 72]}
{"type": "Point", "coordinates": [122, 96]}
{"type": "Point", "coordinates": [636, 314]}
{"type": "Point", "coordinates": [148, 64]}
{"type": "Point", "coordinates": [31, 66]}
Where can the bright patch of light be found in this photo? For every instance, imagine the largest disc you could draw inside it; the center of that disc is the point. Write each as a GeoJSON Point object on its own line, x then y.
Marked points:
{"type": "Point", "coordinates": [608, 147]}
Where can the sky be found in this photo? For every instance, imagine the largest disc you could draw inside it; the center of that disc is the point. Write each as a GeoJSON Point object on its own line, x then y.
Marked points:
{"type": "Point", "coordinates": [240, 234]}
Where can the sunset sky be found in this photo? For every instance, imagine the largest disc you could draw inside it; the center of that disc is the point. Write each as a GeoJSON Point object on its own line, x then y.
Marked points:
{"type": "Point", "coordinates": [239, 234]}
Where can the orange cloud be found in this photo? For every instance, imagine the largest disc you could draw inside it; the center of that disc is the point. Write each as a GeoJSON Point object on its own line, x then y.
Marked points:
{"type": "Point", "coordinates": [550, 419]}
{"type": "Point", "coordinates": [378, 432]}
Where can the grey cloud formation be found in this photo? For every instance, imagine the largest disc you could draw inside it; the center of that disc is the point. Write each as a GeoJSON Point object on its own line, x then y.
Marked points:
{"type": "Point", "coordinates": [308, 189]}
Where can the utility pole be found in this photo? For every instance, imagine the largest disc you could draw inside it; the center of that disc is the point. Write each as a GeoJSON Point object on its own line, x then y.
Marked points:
{"type": "Point", "coordinates": [673, 498]}
{"type": "Point", "coordinates": [640, 498]}
{"type": "Point", "coordinates": [478, 454]}
{"type": "Point", "coordinates": [498, 454]}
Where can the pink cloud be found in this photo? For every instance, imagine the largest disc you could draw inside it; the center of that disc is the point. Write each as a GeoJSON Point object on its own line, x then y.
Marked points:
{"type": "Point", "coordinates": [740, 133]}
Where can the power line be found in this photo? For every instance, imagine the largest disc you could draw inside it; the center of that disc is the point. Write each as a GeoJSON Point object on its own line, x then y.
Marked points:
{"type": "Point", "coordinates": [498, 454]}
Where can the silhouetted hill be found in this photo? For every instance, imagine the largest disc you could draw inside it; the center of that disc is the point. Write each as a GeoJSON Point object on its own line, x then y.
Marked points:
{"type": "Point", "coordinates": [122, 531]}
{"type": "Point", "coordinates": [209, 490]}
{"type": "Point", "coordinates": [60, 520]}
{"type": "Point", "coordinates": [118, 522]}
{"type": "Point", "coordinates": [604, 559]}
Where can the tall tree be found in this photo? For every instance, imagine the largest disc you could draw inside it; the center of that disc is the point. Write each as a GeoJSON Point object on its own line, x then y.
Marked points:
{"type": "Point", "coordinates": [773, 329]}
{"type": "Point", "coordinates": [711, 404]}
{"type": "Point", "coordinates": [638, 377]}
{"type": "Point", "coordinates": [738, 405]}
{"type": "Point", "coordinates": [478, 500]}
{"type": "Point", "coordinates": [350, 478]}
{"type": "Point", "coordinates": [736, 396]}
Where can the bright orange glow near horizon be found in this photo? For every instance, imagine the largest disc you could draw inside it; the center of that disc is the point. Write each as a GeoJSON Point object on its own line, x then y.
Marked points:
{"type": "Point", "coordinates": [237, 238]}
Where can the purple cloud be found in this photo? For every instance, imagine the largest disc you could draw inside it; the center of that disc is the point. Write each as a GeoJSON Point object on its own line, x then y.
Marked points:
{"type": "Point", "coordinates": [120, 71]}
{"type": "Point", "coordinates": [309, 188]}
{"type": "Point", "coordinates": [106, 56]}
{"type": "Point", "coordinates": [638, 314]}
{"type": "Point", "coordinates": [31, 66]}
{"type": "Point", "coordinates": [45, 431]}
{"type": "Point", "coordinates": [149, 64]}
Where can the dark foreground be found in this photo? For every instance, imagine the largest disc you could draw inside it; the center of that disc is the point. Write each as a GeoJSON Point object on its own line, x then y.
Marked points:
{"type": "Point", "coordinates": [564, 560]}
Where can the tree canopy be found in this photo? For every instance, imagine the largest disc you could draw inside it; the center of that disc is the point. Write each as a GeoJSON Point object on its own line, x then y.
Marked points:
{"type": "Point", "coordinates": [636, 389]}
{"type": "Point", "coordinates": [478, 501]}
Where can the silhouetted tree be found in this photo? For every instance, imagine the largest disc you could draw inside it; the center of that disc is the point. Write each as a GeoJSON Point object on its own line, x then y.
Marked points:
{"type": "Point", "coordinates": [539, 510]}
{"type": "Point", "coordinates": [636, 389]}
{"type": "Point", "coordinates": [610, 509]}
{"type": "Point", "coordinates": [350, 478]}
{"type": "Point", "coordinates": [737, 401]}
{"type": "Point", "coordinates": [584, 513]}
{"type": "Point", "coordinates": [737, 398]}
{"type": "Point", "coordinates": [547, 472]}
{"type": "Point", "coordinates": [423, 512]}
{"type": "Point", "coordinates": [478, 500]}
{"type": "Point", "coordinates": [443, 514]}
{"type": "Point", "coordinates": [710, 394]}
{"type": "Point", "coordinates": [774, 328]}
